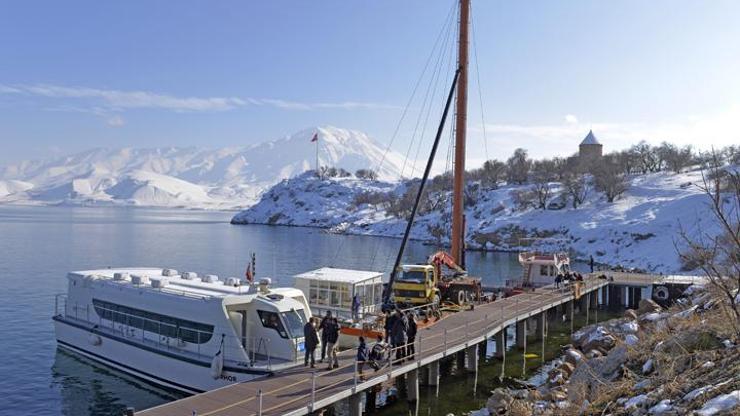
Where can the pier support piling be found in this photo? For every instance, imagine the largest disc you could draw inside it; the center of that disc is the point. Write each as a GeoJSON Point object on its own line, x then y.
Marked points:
{"type": "Point", "coordinates": [355, 404]}
{"type": "Point", "coordinates": [521, 333]}
{"type": "Point", "coordinates": [433, 380]}
{"type": "Point", "coordinates": [471, 362]}
{"type": "Point", "coordinates": [500, 339]}
{"type": "Point", "coordinates": [540, 322]}
{"type": "Point", "coordinates": [412, 391]}
{"type": "Point", "coordinates": [604, 295]}
{"type": "Point", "coordinates": [460, 360]}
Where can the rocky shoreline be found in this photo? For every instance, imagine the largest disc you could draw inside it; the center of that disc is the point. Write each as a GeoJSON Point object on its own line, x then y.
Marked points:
{"type": "Point", "coordinates": [680, 360]}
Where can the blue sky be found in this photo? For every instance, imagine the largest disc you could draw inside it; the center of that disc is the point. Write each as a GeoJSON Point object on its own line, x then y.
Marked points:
{"type": "Point", "coordinates": [81, 74]}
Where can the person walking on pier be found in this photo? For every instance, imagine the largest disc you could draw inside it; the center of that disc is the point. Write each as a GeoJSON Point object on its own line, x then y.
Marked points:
{"type": "Point", "coordinates": [398, 334]}
{"type": "Point", "coordinates": [591, 263]}
{"type": "Point", "coordinates": [410, 335]}
{"type": "Point", "coordinates": [322, 327]}
{"type": "Point", "coordinates": [390, 318]}
{"type": "Point", "coordinates": [558, 279]}
{"type": "Point", "coordinates": [377, 353]}
{"type": "Point", "coordinates": [311, 341]}
{"type": "Point", "coordinates": [362, 357]}
{"type": "Point", "coordinates": [332, 336]}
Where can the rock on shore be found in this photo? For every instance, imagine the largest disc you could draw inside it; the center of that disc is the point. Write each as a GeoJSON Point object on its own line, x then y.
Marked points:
{"type": "Point", "coordinates": [653, 361]}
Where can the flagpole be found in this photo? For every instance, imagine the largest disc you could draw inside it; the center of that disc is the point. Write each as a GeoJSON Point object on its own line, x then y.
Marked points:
{"type": "Point", "coordinates": [318, 173]}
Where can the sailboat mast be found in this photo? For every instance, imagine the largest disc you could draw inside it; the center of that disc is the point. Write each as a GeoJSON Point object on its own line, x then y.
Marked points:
{"type": "Point", "coordinates": [461, 115]}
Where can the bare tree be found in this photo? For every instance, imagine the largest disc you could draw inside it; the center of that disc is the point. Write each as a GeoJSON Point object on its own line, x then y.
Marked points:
{"type": "Point", "coordinates": [609, 178]}
{"type": "Point", "coordinates": [523, 199]}
{"type": "Point", "coordinates": [718, 254]}
{"type": "Point", "coordinates": [491, 173]}
{"type": "Point", "coordinates": [577, 186]}
{"type": "Point", "coordinates": [675, 158]}
{"type": "Point", "coordinates": [542, 175]}
{"type": "Point", "coordinates": [366, 174]}
{"type": "Point", "coordinates": [518, 166]}
{"type": "Point", "coordinates": [647, 157]}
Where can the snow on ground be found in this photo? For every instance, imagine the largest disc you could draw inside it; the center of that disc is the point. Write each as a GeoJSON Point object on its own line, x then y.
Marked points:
{"type": "Point", "coordinates": [638, 230]}
{"type": "Point", "coordinates": [189, 177]}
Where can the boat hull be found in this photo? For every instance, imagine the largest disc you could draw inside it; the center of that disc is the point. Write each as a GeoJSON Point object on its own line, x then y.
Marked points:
{"type": "Point", "coordinates": [150, 364]}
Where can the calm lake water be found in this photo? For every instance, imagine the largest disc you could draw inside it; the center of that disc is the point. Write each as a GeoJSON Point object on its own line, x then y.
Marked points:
{"type": "Point", "coordinates": [39, 245]}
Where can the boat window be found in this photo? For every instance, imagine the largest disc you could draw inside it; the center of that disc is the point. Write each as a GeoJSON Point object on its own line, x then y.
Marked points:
{"type": "Point", "coordinates": [323, 293]}
{"type": "Point", "coordinates": [294, 320]}
{"type": "Point", "coordinates": [346, 296]}
{"type": "Point", "coordinates": [188, 331]}
{"type": "Point", "coordinates": [416, 276]}
{"type": "Point", "coordinates": [544, 270]}
{"type": "Point", "coordinates": [271, 320]}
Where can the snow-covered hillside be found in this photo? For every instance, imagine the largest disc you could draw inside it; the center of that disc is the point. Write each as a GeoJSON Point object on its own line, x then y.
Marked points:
{"type": "Point", "coordinates": [189, 177]}
{"type": "Point", "coordinates": [637, 230]}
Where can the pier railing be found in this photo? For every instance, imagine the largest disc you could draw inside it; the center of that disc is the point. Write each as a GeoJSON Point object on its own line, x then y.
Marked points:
{"type": "Point", "coordinates": [445, 343]}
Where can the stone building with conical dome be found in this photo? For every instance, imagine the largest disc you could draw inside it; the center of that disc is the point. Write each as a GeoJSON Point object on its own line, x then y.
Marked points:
{"type": "Point", "coordinates": [590, 148]}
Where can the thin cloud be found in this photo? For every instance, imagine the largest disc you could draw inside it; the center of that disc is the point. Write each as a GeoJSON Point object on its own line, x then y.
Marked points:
{"type": "Point", "coordinates": [118, 100]}
{"type": "Point", "coordinates": [547, 140]}
{"type": "Point", "coordinates": [571, 119]}
{"type": "Point", "coordinates": [115, 121]}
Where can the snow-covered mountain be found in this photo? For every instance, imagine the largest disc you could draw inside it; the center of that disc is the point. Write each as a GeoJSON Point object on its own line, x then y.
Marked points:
{"type": "Point", "coordinates": [638, 230]}
{"type": "Point", "coordinates": [190, 177]}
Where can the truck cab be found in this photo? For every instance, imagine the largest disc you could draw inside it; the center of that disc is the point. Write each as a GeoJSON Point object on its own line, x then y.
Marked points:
{"type": "Point", "coordinates": [416, 284]}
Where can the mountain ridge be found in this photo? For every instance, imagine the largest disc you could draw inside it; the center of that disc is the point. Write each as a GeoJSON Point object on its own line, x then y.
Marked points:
{"type": "Point", "coordinates": [228, 177]}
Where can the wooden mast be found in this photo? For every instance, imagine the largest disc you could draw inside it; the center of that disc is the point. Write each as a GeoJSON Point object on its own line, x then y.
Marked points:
{"type": "Point", "coordinates": [461, 115]}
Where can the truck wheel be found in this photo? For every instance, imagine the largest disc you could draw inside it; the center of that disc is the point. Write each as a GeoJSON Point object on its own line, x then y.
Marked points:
{"type": "Point", "coordinates": [462, 298]}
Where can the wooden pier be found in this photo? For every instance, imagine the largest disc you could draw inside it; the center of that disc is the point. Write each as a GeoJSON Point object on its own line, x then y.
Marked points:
{"type": "Point", "coordinates": [301, 391]}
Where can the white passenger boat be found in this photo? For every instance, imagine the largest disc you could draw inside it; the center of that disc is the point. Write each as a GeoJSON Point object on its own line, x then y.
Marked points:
{"type": "Point", "coordinates": [540, 269]}
{"type": "Point", "coordinates": [180, 330]}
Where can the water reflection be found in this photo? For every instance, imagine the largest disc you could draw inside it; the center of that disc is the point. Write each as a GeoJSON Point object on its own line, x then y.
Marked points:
{"type": "Point", "coordinates": [88, 388]}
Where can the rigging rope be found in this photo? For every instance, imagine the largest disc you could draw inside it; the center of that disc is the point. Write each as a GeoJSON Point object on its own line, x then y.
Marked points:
{"type": "Point", "coordinates": [477, 76]}
{"type": "Point", "coordinates": [427, 102]}
{"type": "Point", "coordinates": [437, 81]}
{"type": "Point", "coordinates": [413, 92]}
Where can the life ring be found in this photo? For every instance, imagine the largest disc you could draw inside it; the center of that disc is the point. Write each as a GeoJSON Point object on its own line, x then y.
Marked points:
{"type": "Point", "coordinates": [661, 293]}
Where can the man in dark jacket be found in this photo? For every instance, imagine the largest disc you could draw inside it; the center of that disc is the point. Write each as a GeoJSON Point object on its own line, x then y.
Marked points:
{"type": "Point", "coordinates": [311, 340]}
{"type": "Point", "coordinates": [363, 355]}
{"type": "Point", "coordinates": [411, 335]}
{"type": "Point", "coordinates": [390, 317]}
{"type": "Point", "coordinates": [398, 334]}
{"type": "Point", "coordinates": [322, 327]}
{"type": "Point", "coordinates": [332, 336]}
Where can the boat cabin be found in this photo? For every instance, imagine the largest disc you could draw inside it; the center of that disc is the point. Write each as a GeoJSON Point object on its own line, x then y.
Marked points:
{"type": "Point", "coordinates": [540, 269]}
{"type": "Point", "coordinates": [331, 289]}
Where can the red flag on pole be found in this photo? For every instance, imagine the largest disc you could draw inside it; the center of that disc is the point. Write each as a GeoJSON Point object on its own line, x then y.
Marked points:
{"type": "Point", "coordinates": [248, 273]}
{"type": "Point", "coordinates": [315, 137]}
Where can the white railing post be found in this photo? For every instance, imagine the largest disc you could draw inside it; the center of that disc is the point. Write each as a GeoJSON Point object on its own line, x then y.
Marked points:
{"type": "Point", "coordinates": [313, 390]}
{"type": "Point", "coordinates": [355, 376]}
{"type": "Point", "coordinates": [419, 349]}
{"type": "Point", "coordinates": [259, 397]}
{"type": "Point", "coordinates": [445, 341]}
